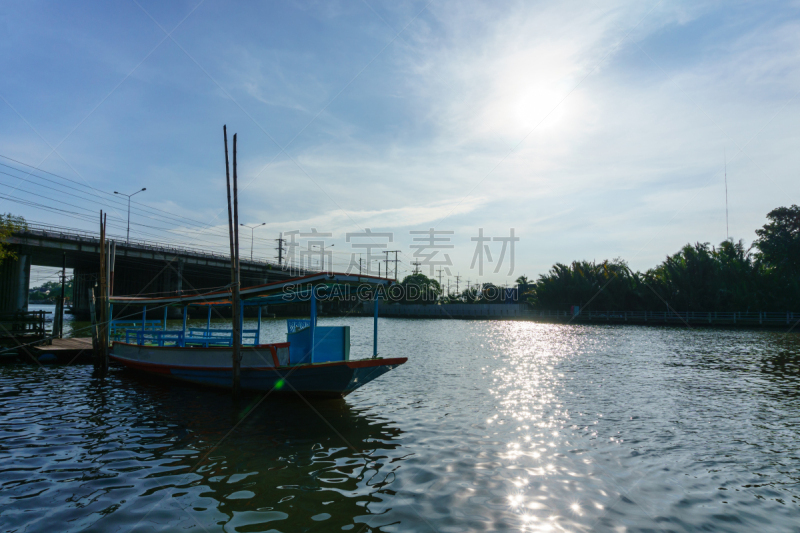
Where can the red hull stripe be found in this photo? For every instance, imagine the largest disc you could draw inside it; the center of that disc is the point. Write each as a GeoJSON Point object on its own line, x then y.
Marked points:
{"type": "Point", "coordinates": [161, 368]}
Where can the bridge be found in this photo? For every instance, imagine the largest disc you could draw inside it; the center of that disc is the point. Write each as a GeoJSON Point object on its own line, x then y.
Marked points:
{"type": "Point", "coordinates": [140, 267]}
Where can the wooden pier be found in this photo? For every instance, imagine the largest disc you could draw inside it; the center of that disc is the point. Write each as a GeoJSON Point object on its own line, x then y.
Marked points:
{"type": "Point", "coordinates": [75, 351]}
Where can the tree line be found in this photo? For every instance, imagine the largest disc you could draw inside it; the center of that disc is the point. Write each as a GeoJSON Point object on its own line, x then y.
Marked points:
{"type": "Point", "coordinates": [700, 277]}
{"type": "Point", "coordinates": [49, 291]}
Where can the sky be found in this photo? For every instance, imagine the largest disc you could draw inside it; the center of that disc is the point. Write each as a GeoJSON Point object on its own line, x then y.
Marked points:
{"type": "Point", "coordinates": [591, 130]}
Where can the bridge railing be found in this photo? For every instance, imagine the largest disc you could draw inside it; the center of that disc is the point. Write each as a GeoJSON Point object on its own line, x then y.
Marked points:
{"type": "Point", "coordinates": [71, 234]}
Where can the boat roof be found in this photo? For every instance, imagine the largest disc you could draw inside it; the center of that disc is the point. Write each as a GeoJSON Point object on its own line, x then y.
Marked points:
{"type": "Point", "coordinates": [286, 291]}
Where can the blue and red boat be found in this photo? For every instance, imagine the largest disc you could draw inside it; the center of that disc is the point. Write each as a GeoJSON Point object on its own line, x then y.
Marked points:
{"type": "Point", "coordinates": [314, 360]}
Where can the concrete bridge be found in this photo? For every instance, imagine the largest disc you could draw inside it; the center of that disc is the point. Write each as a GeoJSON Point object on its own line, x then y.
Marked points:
{"type": "Point", "coordinates": [140, 267]}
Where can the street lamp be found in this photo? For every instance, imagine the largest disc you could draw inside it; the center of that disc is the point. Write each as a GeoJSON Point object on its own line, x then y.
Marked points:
{"type": "Point", "coordinates": [128, 236]}
{"type": "Point", "coordinates": [322, 252]}
{"type": "Point", "coordinates": [252, 231]}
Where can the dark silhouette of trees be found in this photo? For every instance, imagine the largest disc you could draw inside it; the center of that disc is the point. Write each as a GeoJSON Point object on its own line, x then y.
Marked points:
{"type": "Point", "coordinates": [419, 288]}
{"type": "Point", "coordinates": [699, 277]}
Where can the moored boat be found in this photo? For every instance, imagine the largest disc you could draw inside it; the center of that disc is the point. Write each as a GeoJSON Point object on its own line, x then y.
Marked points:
{"type": "Point", "coordinates": [315, 360]}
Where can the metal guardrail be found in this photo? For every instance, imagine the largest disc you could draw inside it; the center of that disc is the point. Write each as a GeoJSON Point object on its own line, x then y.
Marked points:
{"type": "Point", "coordinates": [70, 234]}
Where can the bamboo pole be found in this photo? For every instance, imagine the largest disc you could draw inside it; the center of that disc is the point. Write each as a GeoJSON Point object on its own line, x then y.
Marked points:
{"type": "Point", "coordinates": [230, 209]}
{"type": "Point", "coordinates": [93, 317]}
{"type": "Point", "coordinates": [101, 316]}
{"type": "Point", "coordinates": [237, 331]}
{"type": "Point", "coordinates": [234, 288]}
{"type": "Point", "coordinates": [113, 261]}
{"type": "Point", "coordinates": [63, 299]}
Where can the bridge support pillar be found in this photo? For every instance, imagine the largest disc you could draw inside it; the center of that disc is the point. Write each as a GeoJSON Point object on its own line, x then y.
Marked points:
{"type": "Point", "coordinates": [173, 285]}
{"type": "Point", "coordinates": [83, 279]}
{"type": "Point", "coordinates": [15, 280]}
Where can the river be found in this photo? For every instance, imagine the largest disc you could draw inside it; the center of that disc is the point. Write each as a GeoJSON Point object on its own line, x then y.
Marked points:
{"type": "Point", "coordinates": [490, 426]}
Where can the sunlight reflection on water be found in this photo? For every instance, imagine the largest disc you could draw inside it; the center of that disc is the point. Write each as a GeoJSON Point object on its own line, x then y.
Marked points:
{"type": "Point", "coordinates": [489, 426]}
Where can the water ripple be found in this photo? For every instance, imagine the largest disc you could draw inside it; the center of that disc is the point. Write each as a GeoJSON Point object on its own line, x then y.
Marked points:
{"type": "Point", "coordinates": [490, 426]}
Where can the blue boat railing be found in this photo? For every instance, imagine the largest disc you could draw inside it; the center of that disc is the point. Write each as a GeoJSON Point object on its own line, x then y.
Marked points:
{"type": "Point", "coordinates": [195, 337]}
{"type": "Point", "coordinates": [295, 325]}
{"type": "Point", "coordinates": [219, 337]}
{"type": "Point", "coordinates": [120, 327]}
{"type": "Point", "coordinates": [155, 338]}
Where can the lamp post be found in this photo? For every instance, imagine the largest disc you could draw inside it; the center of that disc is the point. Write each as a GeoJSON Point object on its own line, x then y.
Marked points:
{"type": "Point", "coordinates": [322, 252]}
{"type": "Point", "coordinates": [252, 232]}
{"type": "Point", "coordinates": [128, 235]}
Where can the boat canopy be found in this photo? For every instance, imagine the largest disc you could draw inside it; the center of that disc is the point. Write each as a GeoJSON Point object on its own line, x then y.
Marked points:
{"type": "Point", "coordinates": [278, 292]}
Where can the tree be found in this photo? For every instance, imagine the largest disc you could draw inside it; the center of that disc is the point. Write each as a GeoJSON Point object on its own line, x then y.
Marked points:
{"type": "Point", "coordinates": [778, 254]}
{"type": "Point", "coordinates": [9, 224]}
{"type": "Point", "coordinates": [419, 288]}
{"type": "Point", "coordinates": [50, 291]}
{"type": "Point", "coordinates": [609, 285]}
{"type": "Point", "coordinates": [778, 241]}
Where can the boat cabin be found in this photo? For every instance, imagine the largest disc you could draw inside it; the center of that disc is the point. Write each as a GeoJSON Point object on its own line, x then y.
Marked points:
{"type": "Point", "coordinates": [307, 342]}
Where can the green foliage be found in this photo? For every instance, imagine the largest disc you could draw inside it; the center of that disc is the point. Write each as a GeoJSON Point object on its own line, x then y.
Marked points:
{"type": "Point", "coordinates": [778, 241]}
{"type": "Point", "coordinates": [50, 291]}
{"type": "Point", "coordinates": [419, 288]}
{"type": "Point", "coordinates": [9, 224]}
{"type": "Point", "coordinates": [581, 282]}
{"type": "Point", "coordinates": [699, 277]}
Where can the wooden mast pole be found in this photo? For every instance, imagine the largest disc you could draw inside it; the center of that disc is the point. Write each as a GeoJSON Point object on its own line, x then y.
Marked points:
{"type": "Point", "coordinates": [101, 316]}
{"type": "Point", "coordinates": [237, 331]}
{"type": "Point", "coordinates": [235, 358]}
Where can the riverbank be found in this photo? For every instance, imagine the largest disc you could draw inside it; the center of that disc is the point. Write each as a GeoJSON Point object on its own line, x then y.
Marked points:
{"type": "Point", "coordinates": [780, 320]}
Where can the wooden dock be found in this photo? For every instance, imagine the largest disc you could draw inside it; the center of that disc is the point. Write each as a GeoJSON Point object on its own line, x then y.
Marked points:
{"type": "Point", "coordinates": [75, 351]}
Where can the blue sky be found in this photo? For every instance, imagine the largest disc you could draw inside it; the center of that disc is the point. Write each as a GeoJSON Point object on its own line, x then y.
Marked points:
{"type": "Point", "coordinates": [595, 131]}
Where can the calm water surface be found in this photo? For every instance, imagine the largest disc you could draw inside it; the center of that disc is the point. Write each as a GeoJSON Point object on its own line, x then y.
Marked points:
{"type": "Point", "coordinates": [490, 426]}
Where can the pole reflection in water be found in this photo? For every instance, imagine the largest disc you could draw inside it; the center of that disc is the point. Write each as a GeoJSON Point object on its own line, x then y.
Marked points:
{"type": "Point", "coordinates": [133, 452]}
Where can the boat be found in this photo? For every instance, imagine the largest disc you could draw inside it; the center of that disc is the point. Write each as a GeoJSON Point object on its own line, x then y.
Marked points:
{"type": "Point", "coordinates": [314, 361]}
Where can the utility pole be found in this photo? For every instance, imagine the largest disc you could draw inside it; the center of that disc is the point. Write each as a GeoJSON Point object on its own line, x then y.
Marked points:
{"type": "Point", "coordinates": [395, 252]}
{"type": "Point", "coordinates": [440, 279]}
{"type": "Point", "coordinates": [387, 260]}
{"type": "Point", "coordinates": [416, 266]}
{"type": "Point", "coordinates": [280, 249]}
{"type": "Point", "coordinates": [448, 287]}
{"type": "Point", "coordinates": [458, 294]}
{"type": "Point", "coordinates": [359, 264]}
